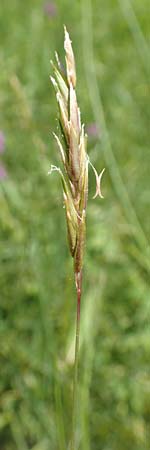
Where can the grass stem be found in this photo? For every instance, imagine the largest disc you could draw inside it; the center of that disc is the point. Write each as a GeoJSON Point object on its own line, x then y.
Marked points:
{"type": "Point", "coordinates": [76, 364]}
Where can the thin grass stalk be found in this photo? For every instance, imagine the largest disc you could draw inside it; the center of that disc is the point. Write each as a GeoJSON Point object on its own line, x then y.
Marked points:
{"type": "Point", "coordinates": [76, 366]}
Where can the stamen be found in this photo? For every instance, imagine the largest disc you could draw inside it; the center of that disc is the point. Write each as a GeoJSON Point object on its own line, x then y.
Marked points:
{"type": "Point", "coordinates": [98, 181]}
{"type": "Point", "coordinates": [54, 169]}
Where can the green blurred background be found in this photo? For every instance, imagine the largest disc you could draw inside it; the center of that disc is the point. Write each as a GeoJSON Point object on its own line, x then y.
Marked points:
{"type": "Point", "coordinates": [110, 40]}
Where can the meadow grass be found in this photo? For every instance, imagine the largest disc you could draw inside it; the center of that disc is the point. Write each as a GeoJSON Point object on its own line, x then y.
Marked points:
{"type": "Point", "coordinates": [36, 281]}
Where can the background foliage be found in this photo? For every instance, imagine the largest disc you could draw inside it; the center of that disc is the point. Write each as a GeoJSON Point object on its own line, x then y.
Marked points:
{"type": "Point", "coordinates": [37, 292]}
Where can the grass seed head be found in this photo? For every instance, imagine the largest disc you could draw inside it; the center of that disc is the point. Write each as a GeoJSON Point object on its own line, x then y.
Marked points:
{"type": "Point", "coordinates": [74, 157]}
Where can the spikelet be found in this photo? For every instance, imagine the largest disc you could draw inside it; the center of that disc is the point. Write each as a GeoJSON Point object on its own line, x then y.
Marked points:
{"type": "Point", "coordinates": [73, 152]}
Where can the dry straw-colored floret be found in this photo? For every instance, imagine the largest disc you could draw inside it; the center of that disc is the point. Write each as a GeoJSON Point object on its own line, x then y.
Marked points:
{"type": "Point", "coordinates": [73, 152]}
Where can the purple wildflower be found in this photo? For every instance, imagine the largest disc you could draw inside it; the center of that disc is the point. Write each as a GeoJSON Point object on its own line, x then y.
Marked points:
{"type": "Point", "coordinates": [3, 173]}
{"type": "Point", "coordinates": [2, 142]}
{"type": "Point", "coordinates": [50, 9]}
{"type": "Point", "coordinates": [93, 130]}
